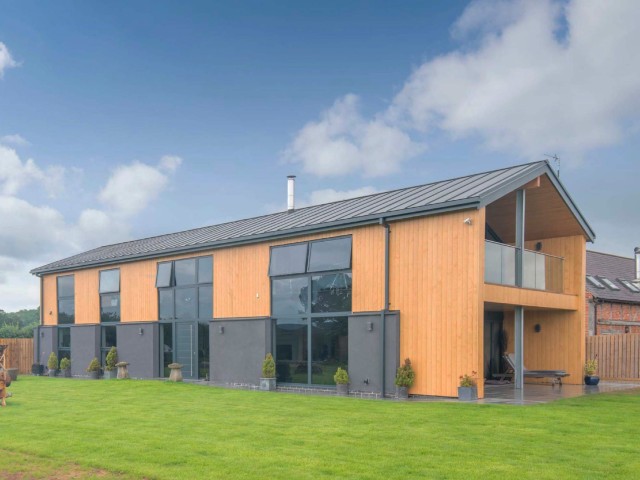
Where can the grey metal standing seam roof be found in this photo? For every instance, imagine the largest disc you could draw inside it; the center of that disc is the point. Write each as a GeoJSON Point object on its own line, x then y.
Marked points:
{"type": "Point", "coordinates": [472, 191]}
{"type": "Point", "coordinates": [614, 268]}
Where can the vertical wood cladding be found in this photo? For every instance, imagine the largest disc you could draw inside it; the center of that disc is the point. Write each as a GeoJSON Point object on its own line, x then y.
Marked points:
{"type": "Point", "coordinates": [437, 270]}
{"type": "Point", "coordinates": [241, 286]}
{"type": "Point", "coordinates": [49, 301]}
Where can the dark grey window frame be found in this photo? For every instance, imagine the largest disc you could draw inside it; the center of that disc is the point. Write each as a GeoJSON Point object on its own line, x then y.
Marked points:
{"type": "Point", "coordinates": [308, 317]}
{"type": "Point", "coordinates": [108, 294]}
{"type": "Point", "coordinates": [63, 351]}
{"type": "Point", "coordinates": [309, 243]}
{"type": "Point", "coordinates": [66, 297]}
{"type": "Point", "coordinates": [173, 288]}
{"type": "Point", "coordinates": [103, 337]}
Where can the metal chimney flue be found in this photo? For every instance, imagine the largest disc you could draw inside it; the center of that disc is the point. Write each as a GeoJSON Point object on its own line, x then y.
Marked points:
{"type": "Point", "coordinates": [637, 252]}
{"type": "Point", "coordinates": [291, 193]}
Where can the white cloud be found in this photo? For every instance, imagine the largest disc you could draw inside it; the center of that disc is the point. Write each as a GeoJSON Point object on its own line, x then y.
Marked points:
{"type": "Point", "coordinates": [170, 163]}
{"type": "Point", "coordinates": [6, 60]}
{"type": "Point", "coordinates": [344, 142]}
{"type": "Point", "coordinates": [15, 140]}
{"type": "Point", "coordinates": [15, 174]}
{"type": "Point", "coordinates": [530, 87]}
{"type": "Point", "coordinates": [328, 195]}
{"type": "Point", "coordinates": [528, 78]}
{"type": "Point", "coordinates": [33, 235]}
{"type": "Point", "coordinates": [131, 188]}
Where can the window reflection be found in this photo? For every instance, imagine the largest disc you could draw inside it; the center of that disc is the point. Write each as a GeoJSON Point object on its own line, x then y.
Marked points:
{"type": "Point", "coordinates": [289, 296]}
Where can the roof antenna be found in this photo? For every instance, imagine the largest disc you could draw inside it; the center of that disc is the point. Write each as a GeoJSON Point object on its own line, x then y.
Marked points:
{"type": "Point", "coordinates": [556, 159]}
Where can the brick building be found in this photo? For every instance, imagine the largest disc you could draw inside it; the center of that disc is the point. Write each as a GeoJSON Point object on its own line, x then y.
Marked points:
{"type": "Point", "coordinates": [613, 294]}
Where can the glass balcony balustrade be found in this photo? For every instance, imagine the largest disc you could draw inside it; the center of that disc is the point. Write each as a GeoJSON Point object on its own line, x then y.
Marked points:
{"type": "Point", "coordinates": [540, 270]}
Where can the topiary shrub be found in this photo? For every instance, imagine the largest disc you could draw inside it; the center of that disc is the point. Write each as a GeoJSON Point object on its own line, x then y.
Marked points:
{"type": "Point", "coordinates": [94, 366]}
{"type": "Point", "coordinates": [52, 363]}
{"type": "Point", "coordinates": [405, 376]}
{"type": "Point", "coordinates": [268, 367]}
{"type": "Point", "coordinates": [112, 359]}
{"type": "Point", "coordinates": [341, 377]}
{"type": "Point", "coordinates": [65, 364]}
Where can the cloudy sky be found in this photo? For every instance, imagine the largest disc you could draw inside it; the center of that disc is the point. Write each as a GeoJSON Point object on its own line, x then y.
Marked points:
{"type": "Point", "coordinates": [121, 120]}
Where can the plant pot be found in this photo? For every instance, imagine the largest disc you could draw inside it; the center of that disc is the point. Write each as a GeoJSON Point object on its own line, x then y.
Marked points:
{"type": "Point", "coordinates": [53, 373]}
{"type": "Point", "coordinates": [268, 384]}
{"type": "Point", "coordinates": [342, 389]}
{"type": "Point", "coordinates": [94, 375]}
{"type": "Point", "coordinates": [13, 373]}
{"type": "Point", "coordinates": [467, 394]}
{"type": "Point", "coordinates": [402, 393]}
{"type": "Point", "coordinates": [110, 374]}
{"type": "Point", "coordinates": [66, 373]}
{"type": "Point", "coordinates": [591, 380]}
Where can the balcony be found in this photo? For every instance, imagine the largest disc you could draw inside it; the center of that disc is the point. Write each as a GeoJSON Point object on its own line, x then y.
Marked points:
{"type": "Point", "coordinates": [540, 271]}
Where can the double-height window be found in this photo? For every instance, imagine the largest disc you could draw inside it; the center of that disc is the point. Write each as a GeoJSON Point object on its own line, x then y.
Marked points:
{"type": "Point", "coordinates": [311, 287]}
{"type": "Point", "coordinates": [110, 295]}
{"type": "Point", "coordinates": [185, 289]}
{"type": "Point", "coordinates": [66, 299]}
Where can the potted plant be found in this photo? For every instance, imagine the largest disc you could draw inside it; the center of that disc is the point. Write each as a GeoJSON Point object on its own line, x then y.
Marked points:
{"type": "Point", "coordinates": [65, 366]}
{"type": "Point", "coordinates": [110, 364]}
{"type": "Point", "coordinates": [590, 370]}
{"type": "Point", "coordinates": [405, 376]}
{"type": "Point", "coordinates": [468, 389]}
{"type": "Point", "coordinates": [52, 364]}
{"type": "Point", "coordinates": [341, 378]}
{"type": "Point", "coordinates": [94, 369]}
{"type": "Point", "coordinates": [268, 379]}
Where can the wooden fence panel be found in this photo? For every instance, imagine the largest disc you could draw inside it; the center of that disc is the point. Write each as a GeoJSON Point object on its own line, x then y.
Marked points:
{"type": "Point", "coordinates": [618, 355]}
{"type": "Point", "coordinates": [19, 354]}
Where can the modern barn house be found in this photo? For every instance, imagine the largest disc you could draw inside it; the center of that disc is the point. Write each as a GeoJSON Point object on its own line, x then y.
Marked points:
{"type": "Point", "coordinates": [452, 274]}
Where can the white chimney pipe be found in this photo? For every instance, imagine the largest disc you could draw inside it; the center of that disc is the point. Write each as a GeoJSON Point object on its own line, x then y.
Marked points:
{"type": "Point", "coordinates": [291, 192]}
{"type": "Point", "coordinates": [637, 252]}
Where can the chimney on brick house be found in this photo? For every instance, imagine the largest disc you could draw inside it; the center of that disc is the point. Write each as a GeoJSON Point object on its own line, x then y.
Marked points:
{"type": "Point", "coordinates": [291, 192]}
{"type": "Point", "coordinates": [637, 252]}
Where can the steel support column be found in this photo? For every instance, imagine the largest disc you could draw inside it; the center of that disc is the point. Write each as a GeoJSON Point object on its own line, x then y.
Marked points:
{"type": "Point", "coordinates": [519, 347]}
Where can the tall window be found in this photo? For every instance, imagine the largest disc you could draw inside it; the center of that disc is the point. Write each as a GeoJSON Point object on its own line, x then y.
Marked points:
{"type": "Point", "coordinates": [311, 286]}
{"type": "Point", "coordinates": [107, 340]}
{"type": "Point", "coordinates": [185, 289]}
{"type": "Point", "coordinates": [110, 295]}
{"type": "Point", "coordinates": [66, 300]}
{"type": "Point", "coordinates": [64, 342]}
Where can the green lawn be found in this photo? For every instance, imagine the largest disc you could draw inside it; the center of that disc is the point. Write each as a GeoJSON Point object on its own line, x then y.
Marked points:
{"type": "Point", "coordinates": [152, 429]}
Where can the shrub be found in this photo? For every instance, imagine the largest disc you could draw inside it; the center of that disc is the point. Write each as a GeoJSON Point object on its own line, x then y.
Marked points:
{"type": "Point", "coordinates": [112, 359]}
{"type": "Point", "coordinates": [65, 364]}
{"type": "Point", "coordinates": [405, 375]}
{"type": "Point", "coordinates": [268, 367]}
{"type": "Point", "coordinates": [341, 377]}
{"type": "Point", "coordinates": [52, 363]}
{"type": "Point", "coordinates": [94, 365]}
{"type": "Point", "coordinates": [468, 380]}
{"type": "Point", "coordinates": [591, 366]}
